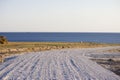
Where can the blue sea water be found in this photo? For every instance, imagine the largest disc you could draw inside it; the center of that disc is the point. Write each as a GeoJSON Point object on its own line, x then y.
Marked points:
{"type": "Point", "coordinates": [62, 37]}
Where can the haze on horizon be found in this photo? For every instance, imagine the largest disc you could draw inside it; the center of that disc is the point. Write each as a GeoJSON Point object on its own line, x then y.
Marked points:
{"type": "Point", "coordinates": [59, 15]}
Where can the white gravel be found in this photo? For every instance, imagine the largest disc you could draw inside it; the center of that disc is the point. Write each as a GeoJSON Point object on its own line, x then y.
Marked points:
{"type": "Point", "coordinates": [67, 64]}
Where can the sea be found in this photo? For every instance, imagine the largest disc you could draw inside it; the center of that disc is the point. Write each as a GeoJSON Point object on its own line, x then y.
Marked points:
{"type": "Point", "coordinates": [62, 37]}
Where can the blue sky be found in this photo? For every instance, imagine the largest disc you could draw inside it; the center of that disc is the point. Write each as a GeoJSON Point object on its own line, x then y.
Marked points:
{"type": "Point", "coordinates": [59, 15]}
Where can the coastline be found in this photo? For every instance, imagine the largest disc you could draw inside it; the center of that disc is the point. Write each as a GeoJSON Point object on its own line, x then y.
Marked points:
{"type": "Point", "coordinates": [18, 48]}
{"type": "Point", "coordinates": [71, 57]}
{"type": "Point", "coordinates": [13, 48]}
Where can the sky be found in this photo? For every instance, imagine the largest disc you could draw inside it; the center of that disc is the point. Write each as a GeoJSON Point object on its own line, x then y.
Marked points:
{"type": "Point", "coordinates": [59, 15]}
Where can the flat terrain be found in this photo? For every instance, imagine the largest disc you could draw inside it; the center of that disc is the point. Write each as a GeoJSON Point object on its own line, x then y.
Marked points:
{"type": "Point", "coordinates": [66, 64]}
{"type": "Point", "coordinates": [13, 48]}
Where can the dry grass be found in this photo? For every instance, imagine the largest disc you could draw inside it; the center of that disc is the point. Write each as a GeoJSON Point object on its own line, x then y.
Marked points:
{"type": "Point", "coordinates": [20, 47]}
{"type": "Point", "coordinates": [39, 44]}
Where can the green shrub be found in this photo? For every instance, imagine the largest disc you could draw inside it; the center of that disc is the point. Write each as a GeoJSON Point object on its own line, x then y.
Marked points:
{"type": "Point", "coordinates": [3, 40]}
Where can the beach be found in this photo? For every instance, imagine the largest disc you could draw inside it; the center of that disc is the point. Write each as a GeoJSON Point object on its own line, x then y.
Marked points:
{"type": "Point", "coordinates": [98, 53]}
{"type": "Point", "coordinates": [59, 40]}
{"type": "Point", "coordinates": [13, 48]}
{"type": "Point", "coordinates": [64, 64]}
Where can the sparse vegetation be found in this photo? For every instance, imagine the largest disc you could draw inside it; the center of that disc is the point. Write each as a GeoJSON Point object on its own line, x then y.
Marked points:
{"type": "Point", "coordinates": [3, 40]}
{"type": "Point", "coordinates": [110, 64]}
{"type": "Point", "coordinates": [19, 47]}
{"type": "Point", "coordinates": [110, 60]}
{"type": "Point", "coordinates": [12, 48]}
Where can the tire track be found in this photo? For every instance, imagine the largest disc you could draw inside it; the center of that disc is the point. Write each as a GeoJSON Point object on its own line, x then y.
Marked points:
{"type": "Point", "coordinates": [68, 64]}
{"type": "Point", "coordinates": [18, 68]}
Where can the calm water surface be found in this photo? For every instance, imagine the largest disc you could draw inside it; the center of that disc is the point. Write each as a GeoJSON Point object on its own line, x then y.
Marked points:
{"type": "Point", "coordinates": [62, 37]}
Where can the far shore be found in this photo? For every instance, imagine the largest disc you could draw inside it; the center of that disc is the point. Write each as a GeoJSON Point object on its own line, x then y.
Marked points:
{"type": "Point", "coordinates": [13, 48]}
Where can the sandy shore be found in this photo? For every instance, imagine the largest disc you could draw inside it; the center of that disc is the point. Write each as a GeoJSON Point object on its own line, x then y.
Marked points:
{"type": "Point", "coordinates": [65, 64]}
{"type": "Point", "coordinates": [20, 47]}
